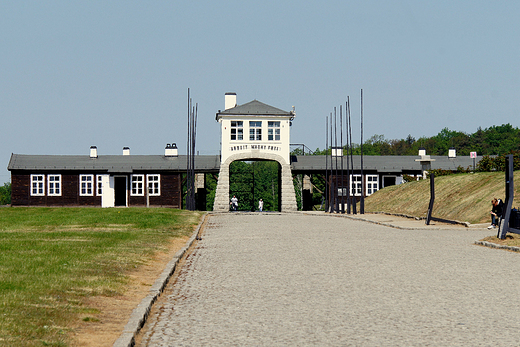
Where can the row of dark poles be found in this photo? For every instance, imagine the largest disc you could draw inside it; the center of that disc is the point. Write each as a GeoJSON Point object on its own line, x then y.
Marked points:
{"type": "Point", "coordinates": [190, 173]}
{"type": "Point", "coordinates": [336, 194]}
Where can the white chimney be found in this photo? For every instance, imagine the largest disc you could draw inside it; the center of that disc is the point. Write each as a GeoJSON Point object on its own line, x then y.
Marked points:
{"type": "Point", "coordinates": [230, 100]}
{"type": "Point", "coordinates": [422, 152]}
{"type": "Point", "coordinates": [452, 153]}
{"type": "Point", "coordinates": [337, 151]}
{"type": "Point", "coordinates": [171, 150]}
{"type": "Point", "coordinates": [126, 150]}
{"type": "Point", "coordinates": [93, 151]}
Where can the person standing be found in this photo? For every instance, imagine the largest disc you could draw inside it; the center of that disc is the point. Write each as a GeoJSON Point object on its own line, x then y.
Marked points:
{"type": "Point", "coordinates": [260, 205]}
{"type": "Point", "coordinates": [234, 203]}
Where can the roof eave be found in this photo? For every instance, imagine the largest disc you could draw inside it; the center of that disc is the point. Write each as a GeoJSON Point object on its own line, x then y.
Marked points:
{"type": "Point", "coordinates": [220, 115]}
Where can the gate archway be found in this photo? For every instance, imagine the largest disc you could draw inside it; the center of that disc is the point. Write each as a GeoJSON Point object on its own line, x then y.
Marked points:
{"type": "Point", "coordinates": [287, 196]}
{"type": "Point", "coordinates": [251, 181]}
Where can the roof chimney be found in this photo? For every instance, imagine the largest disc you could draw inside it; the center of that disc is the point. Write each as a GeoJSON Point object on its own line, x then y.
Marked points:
{"type": "Point", "coordinates": [93, 151]}
{"type": "Point", "coordinates": [230, 100]}
{"type": "Point", "coordinates": [171, 150]}
{"type": "Point", "coordinates": [126, 150]}
{"type": "Point", "coordinates": [337, 151]}
{"type": "Point", "coordinates": [452, 153]}
{"type": "Point", "coordinates": [422, 152]}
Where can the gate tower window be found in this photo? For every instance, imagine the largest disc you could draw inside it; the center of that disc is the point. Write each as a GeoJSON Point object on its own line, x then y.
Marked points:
{"type": "Point", "coordinates": [273, 131]}
{"type": "Point", "coordinates": [255, 131]}
{"type": "Point", "coordinates": [237, 130]}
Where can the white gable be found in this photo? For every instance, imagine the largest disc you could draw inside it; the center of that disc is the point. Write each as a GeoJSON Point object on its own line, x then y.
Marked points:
{"type": "Point", "coordinates": [254, 130]}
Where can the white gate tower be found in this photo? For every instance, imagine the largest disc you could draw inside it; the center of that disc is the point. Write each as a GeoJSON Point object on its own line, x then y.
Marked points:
{"type": "Point", "coordinates": [254, 131]}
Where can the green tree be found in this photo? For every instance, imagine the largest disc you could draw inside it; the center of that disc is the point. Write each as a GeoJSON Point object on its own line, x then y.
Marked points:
{"type": "Point", "coordinates": [462, 143]}
{"type": "Point", "coordinates": [252, 181]}
{"type": "Point", "coordinates": [447, 139]}
{"type": "Point", "coordinates": [318, 192]}
{"type": "Point", "coordinates": [5, 194]}
{"type": "Point", "coordinates": [211, 188]}
{"type": "Point", "coordinates": [496, 140]}
{"type": "Point", "coordinates": [498, 163]}
{"type": "Point", "coordinates": [376, 145]}
{"type": "Point", "coordinates": [266, 175]}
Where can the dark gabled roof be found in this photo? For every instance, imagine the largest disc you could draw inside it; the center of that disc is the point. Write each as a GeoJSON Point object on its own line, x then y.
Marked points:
{"type": "Point", "coordinates": [112, 163]}
{"type": "Point", "coordinates": [211, 163]}
{"type": "Point", "coordinates": [383, 163]}
{"type": "Point", "coordinates": [255, 108]}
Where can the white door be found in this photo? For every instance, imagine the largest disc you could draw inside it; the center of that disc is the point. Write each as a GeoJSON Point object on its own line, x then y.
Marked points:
{"type": "Point", "coordinates": [107, 197]}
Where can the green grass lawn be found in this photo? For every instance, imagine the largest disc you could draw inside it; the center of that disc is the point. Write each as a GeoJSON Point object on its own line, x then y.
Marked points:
{"type": "Point", "coordinates": [51, 259]}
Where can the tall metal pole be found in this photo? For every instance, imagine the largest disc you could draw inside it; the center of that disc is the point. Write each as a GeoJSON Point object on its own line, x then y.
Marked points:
{"type": "Point", "coordinates": [326, 164]}
{"type": "Point", "coordinates": [188, 150]}
{"type": "Point", "coordinates": [432, 198]}
{"type": "Point", "coordinates": [363, 181]}
{"type": "Point", "coordinates": [349, 177]}
{"type": "Point", "coordinates": [193, 151]}
{"type": "Point", "coordinates": [354, 202]}
{"type": "Point", "coordinates": [254, 200]}
{"type": "Point", "coordinates": [190, 157]}
{"type": "Point", "coordinates": [341, 145]}
{"type": "Point", "coordinates": [331, 186]}
{"type": "Point", "coordinates": [336, 202]}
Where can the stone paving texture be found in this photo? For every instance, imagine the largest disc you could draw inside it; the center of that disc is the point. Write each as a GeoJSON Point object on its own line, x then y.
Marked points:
{"type": "Point", "coordinates": [318, 280]}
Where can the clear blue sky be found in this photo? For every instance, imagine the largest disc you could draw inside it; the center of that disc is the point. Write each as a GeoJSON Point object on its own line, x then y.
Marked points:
{"type": "Point", "coordinates": [116, 73]}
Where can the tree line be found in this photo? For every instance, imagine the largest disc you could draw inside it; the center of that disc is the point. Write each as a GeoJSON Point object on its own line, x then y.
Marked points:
{"type": "Point", "coordinates": [493, 143]}
{"type": "Point", "coordinates": [495, 140]}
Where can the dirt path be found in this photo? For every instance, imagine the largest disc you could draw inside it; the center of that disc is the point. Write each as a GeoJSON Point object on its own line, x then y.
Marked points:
{"type": "Point", "coordinates": [115, 311]}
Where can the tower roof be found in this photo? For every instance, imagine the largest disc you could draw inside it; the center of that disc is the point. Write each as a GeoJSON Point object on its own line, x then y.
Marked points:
{"type": "Point", "coordinates": [255, 108]}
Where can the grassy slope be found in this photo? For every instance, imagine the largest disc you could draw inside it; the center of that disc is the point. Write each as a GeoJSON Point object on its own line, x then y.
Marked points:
{"type": "Point", "coordinates": [462, 197]}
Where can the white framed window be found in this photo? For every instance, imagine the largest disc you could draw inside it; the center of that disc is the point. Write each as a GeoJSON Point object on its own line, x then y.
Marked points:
{"type": "Point", "coordinates": [154, 185]}
{"type": "Point", "coordinates": [54, 185]}
{"type": "Point", "coordinates": [255, 131]}
{"type": "Point", "coordinates": [99, 185]}
{"type": "Point", "coordinates": [237, 130]}
{"type": "Point", "coordinates": [372, 184]}
{"type": "Point", "coordinates": [356, 185]}
{"type": "Point", "coordinates": [86, 185]}
{"type": "Point", "coordinates": [273, 131]}
{"type": "Point", "coordinates": [138, 185]}
{"type": "Point", "coordinates": [37, 185]}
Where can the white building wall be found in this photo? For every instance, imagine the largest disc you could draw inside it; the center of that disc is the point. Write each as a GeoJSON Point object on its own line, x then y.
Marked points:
{"type": "Point", "coordinates": [231, 147]}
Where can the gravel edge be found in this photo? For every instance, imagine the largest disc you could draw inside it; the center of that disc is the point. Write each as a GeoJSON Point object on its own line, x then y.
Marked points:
{"type": "Point", "coordinates": [494, 245]}
{"type": "Point", "coordinates": [141, 312]}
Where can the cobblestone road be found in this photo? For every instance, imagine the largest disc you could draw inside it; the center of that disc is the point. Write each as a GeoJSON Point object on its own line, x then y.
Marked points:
{"type": "Point", "coordinates": [297, 280]}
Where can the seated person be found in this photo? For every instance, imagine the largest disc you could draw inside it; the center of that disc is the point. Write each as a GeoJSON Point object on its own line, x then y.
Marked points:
{"type": "Point", "coordinates": [496, 212]}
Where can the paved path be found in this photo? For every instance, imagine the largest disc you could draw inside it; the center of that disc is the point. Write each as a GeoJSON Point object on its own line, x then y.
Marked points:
{"type": "Point", "coordinates": [310, 280]}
